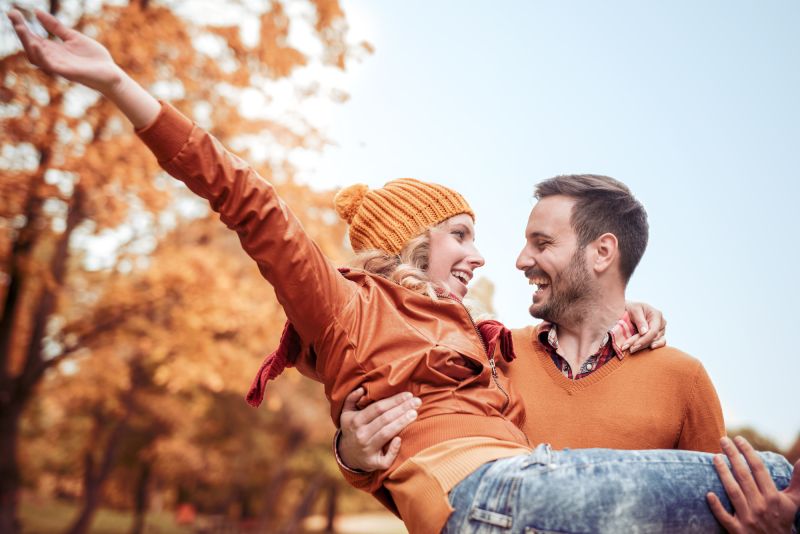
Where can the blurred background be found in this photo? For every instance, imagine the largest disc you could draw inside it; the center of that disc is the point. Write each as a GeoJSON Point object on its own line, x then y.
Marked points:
{"type": "Point", "coordinates": [132, 322]}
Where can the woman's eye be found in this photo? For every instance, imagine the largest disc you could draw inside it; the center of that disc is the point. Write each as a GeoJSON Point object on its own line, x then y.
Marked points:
{"type": "Point", "coordinates": [459, 233]}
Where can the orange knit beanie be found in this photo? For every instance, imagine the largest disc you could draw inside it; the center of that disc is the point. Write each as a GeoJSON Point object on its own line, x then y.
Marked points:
{"type": "Point", "coordinates": [387, 218]}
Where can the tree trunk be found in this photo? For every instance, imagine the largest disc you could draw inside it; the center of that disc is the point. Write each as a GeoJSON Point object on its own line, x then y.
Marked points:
{"type": "Point", "coordinates": [140, 498]}
{"type": "Point", "coordinates": [304, 508]}
{"type": "Point", "coordinates": [9, 470]}
{"type": "Point", "coordinates": [94, 478]}
{"type": "Point", "coordinates": [333, 494]}
{"type": "Point", "coordinates": [91, 498]}
{"type": "Point", "coordinates": [21, 363]}
{"type": "Point", "coordinates": [35, 364]}
{"type": "Point", "coordinates": [11, 348]}
{"type": "Point", "coordinates": [275, 485]}
{"type": "Point", "coordinates": [140, 505]}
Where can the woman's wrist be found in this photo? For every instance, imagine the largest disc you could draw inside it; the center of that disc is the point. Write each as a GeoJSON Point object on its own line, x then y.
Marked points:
{"type": "Point", "coordinates": [114, 85]}
{"type": "Point", "coordinates": [132, 99]}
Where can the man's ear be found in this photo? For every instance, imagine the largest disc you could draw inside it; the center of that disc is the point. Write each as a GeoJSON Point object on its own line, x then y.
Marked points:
{"type": "Point", "coordinates": [606, 249]}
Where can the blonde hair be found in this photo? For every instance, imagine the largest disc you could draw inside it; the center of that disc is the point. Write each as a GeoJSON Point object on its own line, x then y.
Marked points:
{"type": "Point", "coordinates": [408, 268]}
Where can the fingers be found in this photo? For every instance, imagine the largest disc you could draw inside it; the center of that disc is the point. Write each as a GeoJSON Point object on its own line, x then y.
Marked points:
{"type": "Point", "coordinates": [53, 25]}
{"type": "Point", "coordinates": [35, 47]}
{"type": "Point", "coordinates": [15, 17]}
{"type": "Point", "coordinates": [628, 343]}
{"type": "Point", "coordinates": [661, 338]}
{"type": "Point", "coordinates": [727, 520]}
{"type": "Point", "coordinates": [388, 425]}
{"type": "Point", "coordinates": [29, 41]}
{"type": "Point", "coordinates": [637, 315]}
{"type": "Point", "coordinates": [350, 402]}
{"type": "Point", "coordinates": [378, 408]}
{"type": "Point", "coordinates": [732, 488]}
{"type": "Point", "coordinates": [759, 471]}
{"type": "Point", "coordinates": [366, 432]}
{"type": "Point", "coordinates": [387, 459]}
{"type": "Point", "coordinates": [649, 333]}
{"type": "Point", "coordinates": [372, 427]}
{"type": "Point", "coordinates": [652, 339]}
{"type": "Point", "coordinates": [742, 473]}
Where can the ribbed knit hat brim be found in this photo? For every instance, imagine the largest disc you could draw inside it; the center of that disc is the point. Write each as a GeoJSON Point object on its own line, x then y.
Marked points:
{"type": "Point", "coordinates": [387, 218]}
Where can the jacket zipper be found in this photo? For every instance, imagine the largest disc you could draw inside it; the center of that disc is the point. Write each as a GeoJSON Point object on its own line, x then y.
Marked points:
{"type": "Point", "coordinates": [492, 365]}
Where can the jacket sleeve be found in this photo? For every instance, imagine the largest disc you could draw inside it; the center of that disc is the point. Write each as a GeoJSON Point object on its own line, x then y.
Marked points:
{"type": "Point", "coordinates": [703, 424]}
{"type": "Point", "coordinates": [366, 482]}
{"type": "Point", "coordinates": [306, 284]}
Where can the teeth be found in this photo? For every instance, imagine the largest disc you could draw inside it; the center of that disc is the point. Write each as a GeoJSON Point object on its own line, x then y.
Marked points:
{"type": "Point", "coordinates": [537, 282]}
{"type": "Point", "coordinates": [462, 276]}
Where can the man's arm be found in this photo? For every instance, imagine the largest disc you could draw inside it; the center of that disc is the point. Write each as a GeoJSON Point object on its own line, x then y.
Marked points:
{"type": "Point", "coordinates": [368, 441]}
{"type": "Point", "coordinates": [703, 424]}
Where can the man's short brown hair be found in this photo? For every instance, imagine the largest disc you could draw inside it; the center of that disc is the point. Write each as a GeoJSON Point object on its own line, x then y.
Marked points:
{"type": "Point", "coordinates": [603, 205]}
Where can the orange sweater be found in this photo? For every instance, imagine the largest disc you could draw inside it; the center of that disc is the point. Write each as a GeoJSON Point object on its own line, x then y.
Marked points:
{"type": "Point", "coordinates": [660, 399]}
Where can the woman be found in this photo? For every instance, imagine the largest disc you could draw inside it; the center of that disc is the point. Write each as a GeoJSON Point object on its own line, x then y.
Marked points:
{"type": "Point", "coordinates": [398, 324]}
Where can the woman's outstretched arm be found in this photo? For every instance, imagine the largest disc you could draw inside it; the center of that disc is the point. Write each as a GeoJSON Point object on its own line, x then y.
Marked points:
{"type": "Point", "coordinates": [85, 61]}
{"type": "Point", "coordinates": [309, 288]}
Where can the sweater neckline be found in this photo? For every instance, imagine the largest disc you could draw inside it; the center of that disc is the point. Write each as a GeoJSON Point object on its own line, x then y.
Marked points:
{"type": "Point", "coordinates": [562, 381]}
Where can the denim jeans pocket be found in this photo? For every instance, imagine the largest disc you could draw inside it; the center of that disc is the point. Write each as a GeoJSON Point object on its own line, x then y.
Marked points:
{"type": "Point", "coordinates": [496, 496]}
{"type": "Point", "coordinates": [491, 518]}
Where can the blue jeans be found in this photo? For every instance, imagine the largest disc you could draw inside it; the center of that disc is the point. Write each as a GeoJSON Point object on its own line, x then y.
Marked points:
{"type": "Point", "coordinates": [595, 490]}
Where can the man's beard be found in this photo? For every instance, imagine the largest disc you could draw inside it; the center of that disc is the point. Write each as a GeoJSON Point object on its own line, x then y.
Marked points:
{"type": "Point", "coordinates": [570, 291]}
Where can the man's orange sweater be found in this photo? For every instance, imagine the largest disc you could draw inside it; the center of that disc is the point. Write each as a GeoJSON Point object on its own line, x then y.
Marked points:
{"type": "Point", "coordinates": [659, 399]}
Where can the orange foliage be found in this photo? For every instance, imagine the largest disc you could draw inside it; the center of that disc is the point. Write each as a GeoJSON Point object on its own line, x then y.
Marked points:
{"type": "Point", "coordinates": [173, 325]}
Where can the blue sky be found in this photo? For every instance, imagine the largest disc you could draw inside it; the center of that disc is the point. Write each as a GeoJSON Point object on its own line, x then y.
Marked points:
{"type": "Point", "coordinates": [693, 104]}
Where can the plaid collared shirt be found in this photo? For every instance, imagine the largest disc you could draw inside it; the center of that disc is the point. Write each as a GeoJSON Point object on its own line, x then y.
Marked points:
{"type": "Point", "coordinates": [622, 330]}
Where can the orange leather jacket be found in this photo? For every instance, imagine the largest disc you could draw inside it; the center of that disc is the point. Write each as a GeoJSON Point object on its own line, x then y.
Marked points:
{"type": "Point", "coordinates": [355, 330]}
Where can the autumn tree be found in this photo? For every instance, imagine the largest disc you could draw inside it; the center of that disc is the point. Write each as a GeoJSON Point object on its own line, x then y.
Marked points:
{"type": "Point", "coordinates": [72, 169]}
{"type": "Point", "coordinates": [160, 392]}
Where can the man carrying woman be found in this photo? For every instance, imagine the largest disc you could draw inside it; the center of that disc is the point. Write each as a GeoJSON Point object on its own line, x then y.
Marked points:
{"type": "Point", "coordinates": [396, 323]}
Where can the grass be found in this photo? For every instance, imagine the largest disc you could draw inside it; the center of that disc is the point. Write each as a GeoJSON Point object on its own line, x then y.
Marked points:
{"type": "Point", "coordinates": [47, 516]}
{"type": "Point", "coordinates": [51, 516]}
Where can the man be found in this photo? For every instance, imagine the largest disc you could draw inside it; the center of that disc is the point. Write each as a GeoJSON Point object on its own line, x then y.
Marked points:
{"type": "Point", "coordinates": [583, 241]}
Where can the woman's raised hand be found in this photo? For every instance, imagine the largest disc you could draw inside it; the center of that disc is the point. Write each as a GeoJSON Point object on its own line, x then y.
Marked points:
{"type": "Point", "coordinates": [81, 59]}
{"type": "Point", "coordinates": [76, 57]}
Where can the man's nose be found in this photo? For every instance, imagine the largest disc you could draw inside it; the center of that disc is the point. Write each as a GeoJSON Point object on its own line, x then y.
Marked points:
{"type": "Point", "coordinates": [524, 260]}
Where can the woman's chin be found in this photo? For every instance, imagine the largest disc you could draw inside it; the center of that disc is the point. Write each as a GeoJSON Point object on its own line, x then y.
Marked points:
{"type": "Point", "coordinates": [457, 288]}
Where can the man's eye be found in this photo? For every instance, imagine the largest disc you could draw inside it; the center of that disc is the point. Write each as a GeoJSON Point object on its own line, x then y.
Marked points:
{"type": "Point", "coordinates": [459, 233]}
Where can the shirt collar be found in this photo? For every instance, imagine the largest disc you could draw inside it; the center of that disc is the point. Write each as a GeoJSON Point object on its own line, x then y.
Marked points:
{"type": "Point", "coordinates": [547, 334]}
